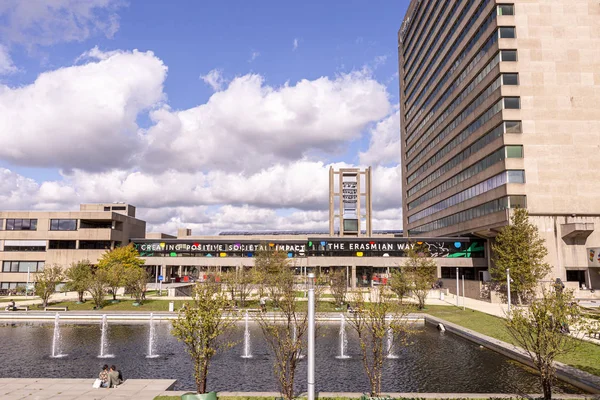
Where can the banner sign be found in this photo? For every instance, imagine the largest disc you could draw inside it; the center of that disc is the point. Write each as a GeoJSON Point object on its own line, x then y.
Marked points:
{"type": "Point", "coordinates": [593, 256]}
{"type": "Point", "coordinates": [332, 247]}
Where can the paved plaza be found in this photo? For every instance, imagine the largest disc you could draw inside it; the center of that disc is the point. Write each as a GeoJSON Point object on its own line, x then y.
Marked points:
{"type": "Point", "coordinates": [70, 389]}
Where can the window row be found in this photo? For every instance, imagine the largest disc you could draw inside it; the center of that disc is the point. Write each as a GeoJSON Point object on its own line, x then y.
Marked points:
{"type": "Point", "coordinates": [22, 266]}
{"type": "Point", "coordinates": [414, 39]}
{"type": "Point", "coordinates": [463, 175]}
{"type": "Point", "coordinates": [456, 62]}
{"type": "Point", "coordinates": [440, 85]}
{"type": "Point", "coordinates": [451, 16]}
{"type": "Point", "coordinates": [63, 224]}
{"type": "Point", "coordinates": [24, 245]}
{"type": "Point", "coordinates": [11, 285]}
{"type": "Point", "coordinates": [20, 224]}
{"type": "Point", "coordinates": [456, 103]}
{"type": "Point", "coordinates": [472, 213]}
{"type": "Point", "coordinates": [466, 113]}
{"type": "Point", "coordinates": [449, 55]}
{"type": "Point", "coordinates": [488, 138]}
{"type": "Point", "coordinates": [475, 125]}
{"type": "Point", "coordinates": [512, 176]}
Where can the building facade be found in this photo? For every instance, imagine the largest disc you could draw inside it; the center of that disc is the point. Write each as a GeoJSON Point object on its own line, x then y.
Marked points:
{"type": "Point", "coordinates": [30, 240]}
{"type": "Point", "coordinates": [500, 108]}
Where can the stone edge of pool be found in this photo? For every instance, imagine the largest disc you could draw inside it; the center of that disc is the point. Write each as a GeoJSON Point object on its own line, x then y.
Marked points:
{"type": "Point", "coordinates": [576, 377]}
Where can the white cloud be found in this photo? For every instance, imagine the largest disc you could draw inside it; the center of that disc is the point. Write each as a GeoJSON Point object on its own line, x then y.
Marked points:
{"type": "Point", "coordinates": [214, 79]}
{"type": "Point", "coordinates": [295, 44]}
{"type": "Point", "coordinates": [250, 125]}
{"type": "Point", "coordinates": [82, 116]}
{"type": "Point", "coordinates": [43, 22]}
{"type": "Point", "coordinates": [254, 56]}
{"type": "Point", "coordinates": [384, 146]}
{"type": "Point", "coordinates": [6, 62]}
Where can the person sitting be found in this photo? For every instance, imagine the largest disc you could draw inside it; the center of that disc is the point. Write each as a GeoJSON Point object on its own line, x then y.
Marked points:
{"type": "Point", "coordinates": [103, 376]}
{"type": "Point", "coordinates": [115, 377]}
{"type": "Point", "coordinates": [11, 306]}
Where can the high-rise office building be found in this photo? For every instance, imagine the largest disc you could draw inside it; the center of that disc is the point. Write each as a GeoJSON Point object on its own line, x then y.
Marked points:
{"type": "Point", "coordinates": [500, 107]}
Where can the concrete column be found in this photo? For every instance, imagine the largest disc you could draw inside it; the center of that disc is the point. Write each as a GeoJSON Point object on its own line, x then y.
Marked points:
{"type": "Point", "coordinates": [180, 271]}
{"type": "Point", "coordinates": [353, 275]}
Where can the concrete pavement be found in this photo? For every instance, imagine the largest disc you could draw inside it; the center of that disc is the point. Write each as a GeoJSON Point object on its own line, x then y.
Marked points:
{"type": "Point", "coordinates": [71, 389]}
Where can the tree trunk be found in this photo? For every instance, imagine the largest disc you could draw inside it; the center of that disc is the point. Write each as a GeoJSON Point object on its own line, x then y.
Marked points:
{"type": "Point", "coordinates": [547, 387]}
{"type": "Point", "coordinates": [114, 293]}
{"type": "Point", "coordinates": [201, 375]}
{"type": "Point", "coordinates": [80, 296]}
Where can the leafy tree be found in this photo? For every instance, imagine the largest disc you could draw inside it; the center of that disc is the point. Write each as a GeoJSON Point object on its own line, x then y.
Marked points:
{"type": "Point", "coordinates": [46, 281]}
{"type": "Point", "coordinates": [542, 330]}
{"type": "Point", "coordinates": [284, 335]}
{"type": "Point", "coordinates": [79, 275]}
{"type": "Point", "coordinates": [421, 271]}
{"type": "Point", "coordinates": [372, 322]}
{"type": "Point", "coordinates": [339, 286]}
{"type": "Point", "coordinates": [136, 279]}
{"type": "Point", "coordinates": [200, 326]}
{"type": "Point", "coordinates": [116, 263]}
{"type": "Point", "coordinates": [400, 283]}
{"type": "Point", "coordinates": [519, 247]}
{"type": "Point", "coordinates": [240, 284]}
{"type": "Point", "coordinates": [97, 286]}
{"type": "Point", "coordinates": [269, 265]}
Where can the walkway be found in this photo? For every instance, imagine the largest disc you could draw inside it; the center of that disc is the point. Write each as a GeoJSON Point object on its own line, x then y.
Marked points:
{"type": "Point", "coordinates": [70, 389]}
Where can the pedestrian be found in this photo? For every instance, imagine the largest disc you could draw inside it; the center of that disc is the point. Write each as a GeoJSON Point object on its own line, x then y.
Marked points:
{"type": "Point", "coordinates": [115, 377]}
{"type": "Point", "coordinates": [103, 376]}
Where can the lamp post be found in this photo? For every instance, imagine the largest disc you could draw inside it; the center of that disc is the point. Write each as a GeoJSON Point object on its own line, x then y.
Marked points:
{"type": "Point", "coordinates": [463, 284]}
{"type": "Point", "coordinates": [27, 286]}
{"type": "Point", "coordinates": [311, 337]}
{"type": "Point", "coordinates": [457, 293]}
{"type": "Point", "coordinates": [508, 286]}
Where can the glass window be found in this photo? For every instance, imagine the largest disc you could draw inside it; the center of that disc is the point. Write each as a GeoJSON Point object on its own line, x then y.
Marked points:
{"type": "Point", "coordinates": [510, 79]}
{"type": "Point", "coordinates": [517, 201]}
{"type": "Point", "coordinates": [513, 127]}
{"type": "Point", "coordinates": [508, 55]}
{"type": "Point", "coordinates": [512, 103]}
{"type": "Point", "coordinates": [21, 224]}
{"type": "Point", "coordinates": [25, 266]}
{"type": "Point", "coordinates": [63, 224]}
{"type": "Point", "coordinates": [514, 151]}
{"type": "Point", "coordinates": [506, 9]}
{"type": "Point", "coordinates": [515, 176]}
{"type": "Point", "coordinates": [507, 32]}
{"type": "Point", "coordinates": [62, 244]}
{"type": "Point", "coordinates": [1, 224]}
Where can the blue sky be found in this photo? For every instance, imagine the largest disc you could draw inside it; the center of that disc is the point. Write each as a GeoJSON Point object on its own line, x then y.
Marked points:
{"type": "Point", "coordinates": [342, 50]}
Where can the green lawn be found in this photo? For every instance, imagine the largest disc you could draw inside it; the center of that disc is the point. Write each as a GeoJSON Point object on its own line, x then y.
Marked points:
{"type": "Point", "coordinates": [586, 357]}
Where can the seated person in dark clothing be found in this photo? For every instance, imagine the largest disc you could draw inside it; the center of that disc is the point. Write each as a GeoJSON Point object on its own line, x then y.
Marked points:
{"type": "Point", "coordinates": [115, 377]}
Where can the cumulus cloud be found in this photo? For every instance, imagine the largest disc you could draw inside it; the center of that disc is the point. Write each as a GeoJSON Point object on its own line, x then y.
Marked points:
{"type": "Point", "coordinates": [384, 144]}
{"type": "Point", "coordinates": [214, 79]}
{"type": "Point", "coordinates": [6, 62]}
{"type": "Point", "coordinates": [295, 44]}
{"type": "Point", "coordinates": [251, 125]}
{"type": "Point", "coordinates": [82, 116]}
{"type": "Point", "coordinates": [42, 22]}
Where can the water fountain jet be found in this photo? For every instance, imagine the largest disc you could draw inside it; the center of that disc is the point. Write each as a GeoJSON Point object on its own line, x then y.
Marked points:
{"type": "Point", "coordinates": [247, 350]}
{"type": "Point", "coordinates": [151, 338]}
{"type": "Point", "coordinates": [104, 339]}
{"type": "Point", "coordinates": [390, 344]}
{"type": "Point", "coordinates": [56, 349]}
{"type": "Point", "coordinates": [343, 339]}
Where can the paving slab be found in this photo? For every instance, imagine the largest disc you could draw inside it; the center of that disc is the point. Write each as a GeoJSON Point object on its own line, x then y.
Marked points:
{"type": "Point", "coordinates": [67, 389]}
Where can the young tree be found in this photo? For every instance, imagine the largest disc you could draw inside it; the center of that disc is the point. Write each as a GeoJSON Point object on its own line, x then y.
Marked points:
{"type": "Point", "coordinates": [421, 271]}
{"type": "Point", "coordinates": [284, 334]}
{"type": "Point", "coordinates": [268, 266]}
{"type": "Point", "coordinates": [240, 284]}
{"type": "Point", "coordinates": [97, 286]}
{"type": "Point", "coordinates": [137, 283]}
{"type": "Point", "coordinates": [519, 247]}
{"type": "Point", "coordinates": [400, 283]}
{"type": "Point", "coordinates": [79, 275]}
{"type": "Point", "coordinates": [372, 322]}
{"type": "Point", "coordinates": [339, 286]}
{"type": "Point", "coordinates": [116, 263]}
{"type": "Point", "coordinates": [542, 330]}
{"type": "Point", "coordinates": [46, 281]}
{"type": "Point", "coordinates": [200, 326]}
